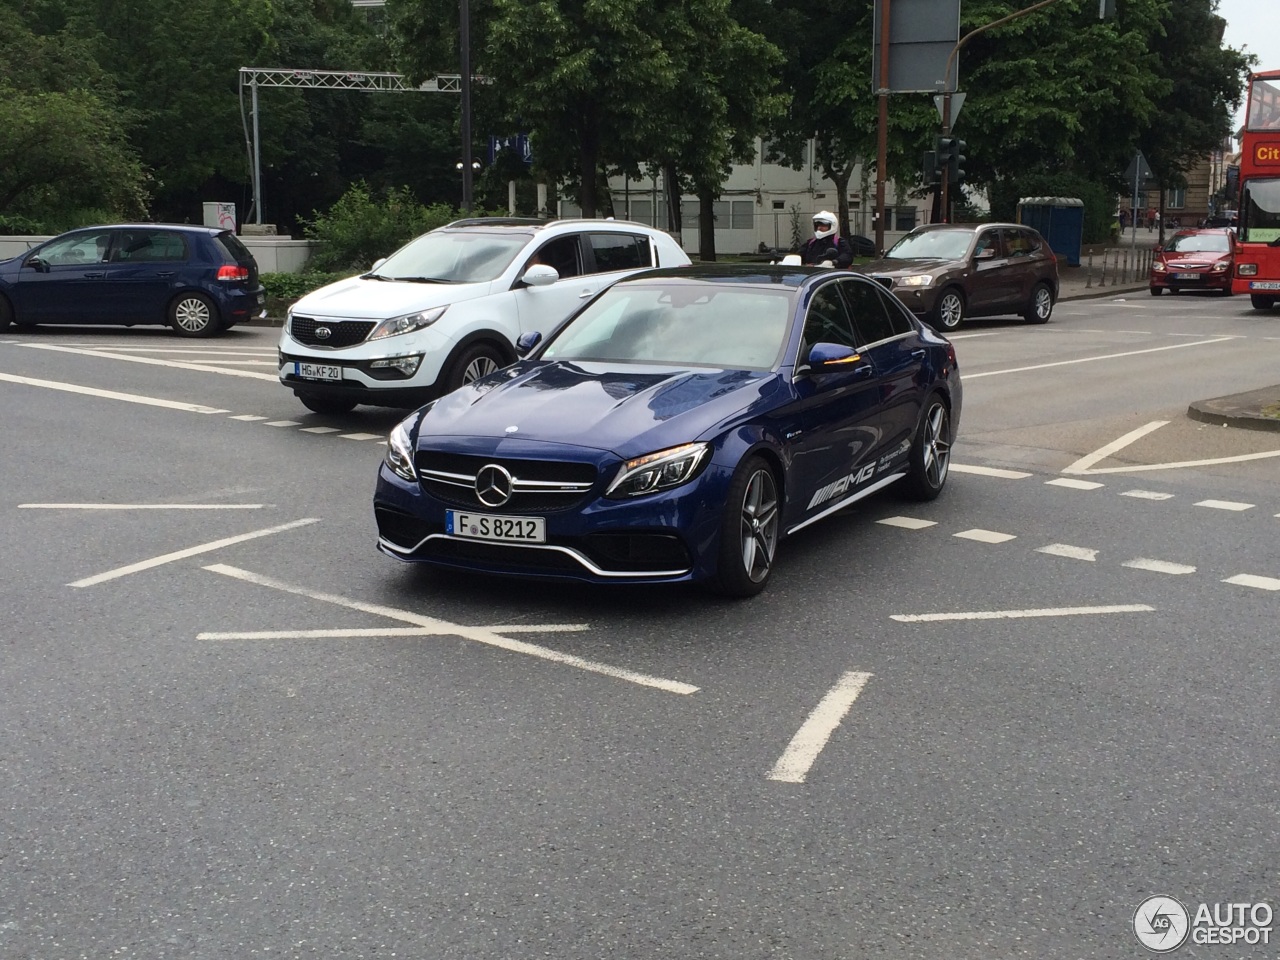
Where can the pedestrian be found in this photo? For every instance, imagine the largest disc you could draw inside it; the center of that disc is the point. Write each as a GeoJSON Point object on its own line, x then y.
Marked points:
{"type": "Point", "coordinates": [826, 243]}
{"type": "Point", "coordinates": [1124, 220]}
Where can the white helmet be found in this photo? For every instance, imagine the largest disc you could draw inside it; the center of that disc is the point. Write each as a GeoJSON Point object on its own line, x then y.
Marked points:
{"type": "Point", "coordinates": [825, 224]}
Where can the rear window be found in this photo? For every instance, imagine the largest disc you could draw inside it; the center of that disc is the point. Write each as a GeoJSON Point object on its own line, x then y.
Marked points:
{"type": "Point", "coordinates": [231, 244]}
{"type": "Point", "coordinates": [620, 251]}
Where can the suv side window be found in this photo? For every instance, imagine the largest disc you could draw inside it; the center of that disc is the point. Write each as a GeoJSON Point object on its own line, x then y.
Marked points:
{"type": "Point", "coordinates": [989, 240]}
{"type": "Point", "coordinates": [563, 253]}
{"type": "Point", "coordinates": [871, 318]}
{"type": "Point", "coordinates": [1018, 242]}
{"type": "Point", "coordinates": [619, 251]}
{"type": "Point", "coordinates": [133, 246]}
{"type": "Point", "coordinates": [827, 320]}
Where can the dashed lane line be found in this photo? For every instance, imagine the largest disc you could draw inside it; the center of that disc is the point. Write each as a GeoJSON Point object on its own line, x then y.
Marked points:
{"type": "Point", "coordinates": [989, 471]}
{"type": "Point", "coordinates": [1068, 551]}
{"type": "Point", "coordinates": [907, 523]}
{"type": "Point", "coordinates": [794, 764]}
{"type": "Point", "coordinates": [1021, 614]}
{"type": "Point", "coordinates": [1249, 580]}
{"type": "Point", "coordinates": [1225, 505]}
{"type": "Point", "coordinates": [1147, 495]}
{"type": "Point", "coordinates": [985, 536]}
{"type": "Point", "coordinates": [141, 506]}
{"type": "Point", "coordinates": [1071, 484]}
{"type": "Point", "coordinates": [111, 394]}
{"type": "Point", "coordinates": [485, 635]}
{"type": "Point", "coordinates": [1108, 356]}
{"type": "Point", "coordinates": [1159, 566]}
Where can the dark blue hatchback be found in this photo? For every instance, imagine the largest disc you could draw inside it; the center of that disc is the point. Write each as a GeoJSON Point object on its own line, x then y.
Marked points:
{"type": "Point", "coordinates": [676, 428]}
{"type": "Point", "coordinates": [198, 280]}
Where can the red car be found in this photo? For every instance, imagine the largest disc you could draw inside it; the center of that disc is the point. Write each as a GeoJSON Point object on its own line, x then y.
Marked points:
{"type": "Point", "coordinates": [1195, 260]}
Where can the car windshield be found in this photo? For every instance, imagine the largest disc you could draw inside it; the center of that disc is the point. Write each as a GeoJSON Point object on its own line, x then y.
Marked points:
{"type": "Point", "coordinates": [454, 256]}
{"type": "Point", "coordinates": [682, 323]}
{"type": "Point", "coordinates": [932, 245]}
{"type": "Point", "coordinates": [1199, 243]}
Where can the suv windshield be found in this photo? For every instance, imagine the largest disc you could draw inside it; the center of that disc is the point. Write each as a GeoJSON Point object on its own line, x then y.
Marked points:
{"type": "Point", "coordinates": [932, 245]}
{"type": "Point", "coordinates": [454, 256]}
{"type": "Point", "coordinates": [1199, 243]}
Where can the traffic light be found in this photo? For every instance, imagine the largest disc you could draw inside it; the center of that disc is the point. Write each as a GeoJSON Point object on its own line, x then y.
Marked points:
{"type": "Point", "coordinates": [932, 170]}
{"type": "Point", "coordinates": [955, 161]}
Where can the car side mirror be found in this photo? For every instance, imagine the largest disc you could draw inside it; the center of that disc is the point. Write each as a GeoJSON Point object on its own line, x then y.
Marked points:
{"type": "Point", "coordinates": [377, 263]}
{"type": "Point", "coordinates": [1159, 248]}
{"type": "Point", "coordinates": [833, 358]}
{"type": "Point", "coordinates": [35, 263]}
{"type": "Point", "coordinates": [527, 341]}
{"type": "Point", "coordinates": [540, 275]}
{"type": "Point", "coordinates": [985, 254]}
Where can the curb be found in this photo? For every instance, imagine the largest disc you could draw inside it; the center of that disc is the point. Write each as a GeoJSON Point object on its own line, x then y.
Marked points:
{"type": "Point", "coordinates": [1241, 410]}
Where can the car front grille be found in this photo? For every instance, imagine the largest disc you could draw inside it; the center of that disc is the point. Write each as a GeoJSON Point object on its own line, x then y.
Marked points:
{"type": "Point", "coordinates": [342, 333]}
{"type": "Point", "coordinates": [539, 486]}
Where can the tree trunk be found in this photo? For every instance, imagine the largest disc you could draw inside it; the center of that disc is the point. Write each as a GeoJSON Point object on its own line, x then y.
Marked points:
{"type": "Point", "coordinates": [706, 225]}
{"type": "Point", "coordinates": [671, 187]}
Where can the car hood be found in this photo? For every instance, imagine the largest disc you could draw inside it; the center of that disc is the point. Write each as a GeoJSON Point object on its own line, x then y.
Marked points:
{"type": "Point", "coordinates": [1175, 257]}
{"type": "Point", "coordinates": [628, 410]}
{"type": "Point", "coordinates": [359, 299]}
{"type": "Point", "coordinates": [886, 267]}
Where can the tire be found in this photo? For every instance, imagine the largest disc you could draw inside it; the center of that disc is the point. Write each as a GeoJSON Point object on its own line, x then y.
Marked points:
{"type": "Point", "coordinates": [1040, 308]}
{"type": "Point", "coordinates": [930, 459]}
{"type": "Point", "coordinates": [948, 312]}
{"type": "Point", "coordinates": [6, 314]}
{"type": "Point", "coordinates": [1261, 303]}
{"type": "Point", "coordinates": [193, 314]}
{"type": "Point", "coordinates": [749, 529]}
{"type": "Point", "coordinates": [478, 360]}
{"type": "Point", "coordinates": [1156, 291]}
{"type": "Point", "coordinates": [329, 405]}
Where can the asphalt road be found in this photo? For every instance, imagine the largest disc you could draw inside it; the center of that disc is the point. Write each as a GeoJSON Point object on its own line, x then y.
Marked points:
{"type": "Point", "coordinates": [985, 727]}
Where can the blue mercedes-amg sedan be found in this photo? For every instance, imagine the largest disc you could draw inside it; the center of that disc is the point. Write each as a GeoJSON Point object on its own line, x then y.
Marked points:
{"type": "Point", "coordinates": [677, 427]}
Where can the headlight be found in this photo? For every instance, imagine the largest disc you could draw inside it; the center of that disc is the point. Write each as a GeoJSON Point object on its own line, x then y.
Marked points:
{"type": "Point", "coordinates": [1159, 267]}
{"type": "Point", "coordinates": [1221, 266]}
{"type": "Point", "coordinates": [406, 324]}
{"type": "Point", "coordinates": [407, 365]}
{"type": "Point", "coordinates": [658, 471]}
{"type": "Point", "coordinates": [400, 451]}
{"type": "Point", "coordinates": [1246, 269]}
{"type": "Point", "coordinates": [919, 281]}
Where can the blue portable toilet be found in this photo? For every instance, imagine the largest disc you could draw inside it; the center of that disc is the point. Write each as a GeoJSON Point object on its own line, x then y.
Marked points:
{"type": "Point", "coordinates": [1060, 220]}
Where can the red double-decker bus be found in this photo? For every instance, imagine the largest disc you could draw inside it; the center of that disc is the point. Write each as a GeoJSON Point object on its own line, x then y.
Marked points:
{"type": "Point", "coordinates": [1258, 257]}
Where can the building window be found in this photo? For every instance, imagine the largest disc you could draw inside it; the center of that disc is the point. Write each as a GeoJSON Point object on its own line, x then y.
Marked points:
{"type": "Point", "coordinates": [904, 218]}
{"type": "Point", "coordinates": [1175, 198]}
{"type": "Point", "coordinates": [779, 204]}
{"type": "Point", "coordinates": [642, 211]}
{"type": "Point", "coordinates": [743, 216]}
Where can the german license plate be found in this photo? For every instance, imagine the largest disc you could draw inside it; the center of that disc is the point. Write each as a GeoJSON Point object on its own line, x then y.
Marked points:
{"type": "Point", "coordinates": [262, 298]}
{"type": "Point", "coordinates": [317, 371]}
{"type": "Point", "coordinates": [1265, 285]}
{"type": "Point", "coordinates": [484, 526]}
{"type": "Point", "coordinates": [1186, 276]}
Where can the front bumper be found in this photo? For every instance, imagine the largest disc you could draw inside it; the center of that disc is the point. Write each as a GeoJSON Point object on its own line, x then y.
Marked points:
{"type": "Point", "coordinates": [1183, 280]}
{"type": "Point", "coordinates": [361, 381]}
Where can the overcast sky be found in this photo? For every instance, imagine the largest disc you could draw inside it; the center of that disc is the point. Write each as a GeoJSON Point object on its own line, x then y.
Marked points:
{"type": "Point", "coordinates": [1253, 26]}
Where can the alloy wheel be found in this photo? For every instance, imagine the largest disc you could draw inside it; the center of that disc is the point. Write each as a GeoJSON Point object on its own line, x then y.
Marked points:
{"type": "Point", "coordinates": [937, 448]}
{"type": "Point", "coordinates": [759, 525]}
{"type": "Point", "coordinates": [192, 315]}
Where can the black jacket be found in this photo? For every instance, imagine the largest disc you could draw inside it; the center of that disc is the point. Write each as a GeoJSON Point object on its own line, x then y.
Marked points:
{"type": "Point", "coordinates": [834, 248]}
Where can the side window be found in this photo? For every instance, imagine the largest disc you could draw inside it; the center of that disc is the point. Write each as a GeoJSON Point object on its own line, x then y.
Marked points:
{"type": "Point", "coordinates": [88, 247]}
{"type": "Point", "coordinates": [1017, 243]}
{"type": "Point", "coordinates": [827, 320]}
{"type": "Point", "coordinates": [563, 253]}
{"type": "Point", "coordinates": [135, 246]}
{"type": "Point", "coordinates": [1032, 242]}
{"type": "Point", "coordinates": [989, 246]}
{"type": "Point", "coordinates": [619, 251]}
{"type": "Point", "coordinates": [871, 320]}
{"type": "Point", "coordinates": [899, 317]}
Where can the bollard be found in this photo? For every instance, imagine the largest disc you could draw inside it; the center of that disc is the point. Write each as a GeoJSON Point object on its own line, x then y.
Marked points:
{"type": "Point", "coordinates": [1088, 276]}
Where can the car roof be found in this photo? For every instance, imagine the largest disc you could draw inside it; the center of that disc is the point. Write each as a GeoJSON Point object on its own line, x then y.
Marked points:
{"type": "Point", "coordinates": [524, 224]}
{"type": "Point", "coordinates": [758, 274]}
{"type": "Point", "coordinates": [180, 227]}
{"type": "Point", "coordinates": [970, 227]}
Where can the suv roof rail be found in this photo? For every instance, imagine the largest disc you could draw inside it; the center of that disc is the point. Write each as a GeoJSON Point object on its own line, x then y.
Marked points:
{"type": "Point", "coordinates": [499, 222]}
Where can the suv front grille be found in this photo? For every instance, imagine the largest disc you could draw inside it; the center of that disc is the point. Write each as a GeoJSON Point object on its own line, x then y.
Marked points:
{"type": "Point", "coordinates": [342, 333]}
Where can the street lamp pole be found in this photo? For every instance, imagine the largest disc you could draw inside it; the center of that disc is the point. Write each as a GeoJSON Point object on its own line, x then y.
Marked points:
{"type": "Point", "coordinates": [882, 131]}
{"type": "Point", "coordinates": [464, 41]}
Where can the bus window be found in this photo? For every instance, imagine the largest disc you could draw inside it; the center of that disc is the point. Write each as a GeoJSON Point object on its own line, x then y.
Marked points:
{"type": "Point", "coordinates": [1264, 106]}
{"type": "Point", "coordinates": [1260, 212]}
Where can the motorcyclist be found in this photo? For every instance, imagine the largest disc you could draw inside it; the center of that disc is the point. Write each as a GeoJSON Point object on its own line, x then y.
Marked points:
{"type": "Point", "coordinates": [826, 243]}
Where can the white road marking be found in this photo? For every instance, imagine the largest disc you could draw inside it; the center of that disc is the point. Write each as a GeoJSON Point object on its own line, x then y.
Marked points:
{"type": "Point", "coordinates": [202, 351]}
{"type": "Point", "coordinates": [1158, 566]}
{"type": "Point", "coordinates": [988, 471]}
{"type": "Point", "coordinates": [155, 361]}
{"type": "Point", "coordinates": [363, 436]}
{"type": "Point", "coordinates": [907, 523]}
{"type": "Point", "coordinates": [189, 552]}
{"type": "Point", "coordinates": [1224, 505]}
{"type": "Point", "coordinates": [970, 336]}
{"type": "Point", "coordinates": [485, 635]}
{"type": "Point", "coordinates": [1084, 463]}
{"type": "Point", "coordinates": [793, 766]}
{"type": "Point", "coordinates": [247, 418]}
{"type": "Point", "coordinates": [1108, 356]}
{"type": "Point", "coordinates": [141, 506]}
{"type": "Point", "coordinates": [111, 394]}
{"type": "Point", "coordinates": [984, 536]}
{"type": "Point", "coordinates": [1147, 495]}
{"type": "Point", "coordinates": [384, 632]}
{"type": "Point", "coordinates": [1021, 614]}
{"type": "Point", "coordinates": [1142, 468]}
{"type": "Point", "coordinates": [1068, 551]}
{"type": "Point", "coordinates": [319, 430]}
{"type": "Point", "coordinates": [284, 423]}
{"type": "Point", "coordinates": [1249, 580]}
{"type": "Point", "coordinates": [1073, 484]}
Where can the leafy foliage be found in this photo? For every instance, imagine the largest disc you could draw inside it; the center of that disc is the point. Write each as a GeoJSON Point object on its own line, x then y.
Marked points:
{"type": "Point", "coordinates": [359, 228]}
{"type": "Point", "coordinates": [292, 286]}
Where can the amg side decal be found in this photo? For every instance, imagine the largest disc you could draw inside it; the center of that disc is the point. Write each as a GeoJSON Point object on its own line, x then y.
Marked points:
{"type": "Point", "coordinates": [838, 487]}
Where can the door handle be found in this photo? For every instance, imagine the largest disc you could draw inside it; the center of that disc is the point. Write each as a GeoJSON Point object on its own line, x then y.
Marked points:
{"type": "Point", "coordinates": [917, 354]}
{"type": "Point", "coordinates": [95, 276]}
{"type": "Point", "coordinates": [166, 273]}
{"type": "Point", "coordinates": [862, 371]}
{"type": "Point", "coordinates": [586, 293]}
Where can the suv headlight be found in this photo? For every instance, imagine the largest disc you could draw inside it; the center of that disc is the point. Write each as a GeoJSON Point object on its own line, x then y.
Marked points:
{"type": "Point", "coordinates": [400, 451]}
{"type": "Point", "coordinates": [916, 281]}
{"type": "Point", "coordinates": [407, 323]}
{"type": "Point", "coordinates": [658, 471]}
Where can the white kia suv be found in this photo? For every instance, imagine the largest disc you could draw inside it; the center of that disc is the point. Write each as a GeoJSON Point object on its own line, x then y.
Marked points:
{"type": "Point", "coordinates": [448, 307]}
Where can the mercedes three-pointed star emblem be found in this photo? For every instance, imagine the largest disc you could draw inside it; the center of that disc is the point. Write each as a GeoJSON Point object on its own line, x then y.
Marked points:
{"type": "Point", "coordinates": [493, 485]}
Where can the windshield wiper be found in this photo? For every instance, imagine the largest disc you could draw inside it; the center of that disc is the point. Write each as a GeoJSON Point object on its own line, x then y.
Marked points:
{"type": "Point", "coordinates": [373, 276]}
{"type": "Point", "coordinates": [422, 279]}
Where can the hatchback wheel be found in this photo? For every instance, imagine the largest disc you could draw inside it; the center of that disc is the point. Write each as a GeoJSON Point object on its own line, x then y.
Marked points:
{"type": "Point", "coordinates": [930, 459]}
{"type": "Point", "coordinates": [748, 531]}
{"type": "Point", "coordinates": [6, 314]}
{"type": "Point", "coordinates": [948, 312]}
{"type": "Point", "coordinates": [193, 315]}
{"type": "Point", "coordinates": [1040, 307]}
{"type": "Point", "coordinates": [1156, 291]}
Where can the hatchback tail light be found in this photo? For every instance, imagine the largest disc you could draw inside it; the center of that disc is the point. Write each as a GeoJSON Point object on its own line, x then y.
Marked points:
{"type": "Point", "coordinates": [233, 271]}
